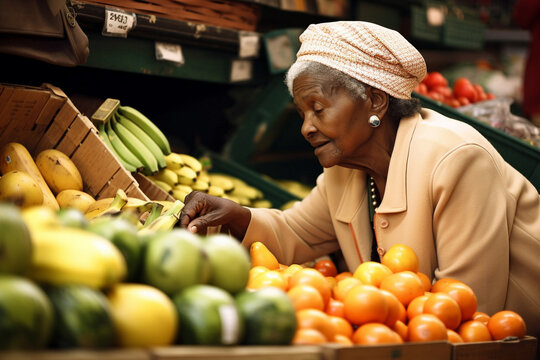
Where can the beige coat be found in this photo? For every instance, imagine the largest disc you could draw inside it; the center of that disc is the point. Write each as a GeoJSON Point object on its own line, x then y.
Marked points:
{"type": "Point", "coordinates": [449, 195]}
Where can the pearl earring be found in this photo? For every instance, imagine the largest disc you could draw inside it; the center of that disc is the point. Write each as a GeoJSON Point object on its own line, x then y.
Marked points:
{"type": "Point", "coordinates": [374, 121]}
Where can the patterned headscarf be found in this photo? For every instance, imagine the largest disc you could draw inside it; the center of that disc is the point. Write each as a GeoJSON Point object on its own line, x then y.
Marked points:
{"type": "Point", "coordinates": [375, 55]}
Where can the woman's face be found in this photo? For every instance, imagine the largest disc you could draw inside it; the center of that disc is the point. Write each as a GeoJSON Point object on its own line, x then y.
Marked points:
{"type": "Point", "coordinates": [334, 123]}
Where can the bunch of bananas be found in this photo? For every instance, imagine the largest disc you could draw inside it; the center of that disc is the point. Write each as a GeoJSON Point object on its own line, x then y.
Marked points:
{"type": "Point", "coordinates": [184, 173]}
{"type": "Point", "coordinates": [136, 141]}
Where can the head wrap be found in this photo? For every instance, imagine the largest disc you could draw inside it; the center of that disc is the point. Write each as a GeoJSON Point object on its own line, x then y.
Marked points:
{"type": "Point", "coordinates": [370, 53]}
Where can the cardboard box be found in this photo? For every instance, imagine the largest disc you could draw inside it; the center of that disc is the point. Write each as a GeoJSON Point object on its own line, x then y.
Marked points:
{"type": "Point", "coordinates": [435, 350]}
{"type": "Point", "coordinates": [116, 354]}
{"type": "Point", "coordinates": [237, 352]}
{"type": "Point", "coordinates": [519, 349]}
{"type": "Point", "coordinates": [43, 117]}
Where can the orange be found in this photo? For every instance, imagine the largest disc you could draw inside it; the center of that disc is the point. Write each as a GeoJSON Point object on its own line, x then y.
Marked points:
{"type": "Point", "coordinates": [445, 308]}
{"type": "Point", "coordinates": [453, 336]}
{"type": "Point", "coordinates": [318, 320]}
{"type": "Point", "coordinates": [371, 273]}
{"type": "Point", "coordinates": [402, 313]}
{"type": "Point", "coordinates": [261, 255]}
{"type": "Point", "coordinates": [400, 257]}
{"type": "Point", "coordinates": [342, 326]}
{"type": "Point", "coordinates": [314, 278]}
{"type": "Point", "coordinates": [401, 328]}
{"type": "Point", "coordinates": [335, 308]}
{"type": "Point", "coordinates": [394, 308]}
{"type": "Point", "coordinates": [425, 280]}
{"type": "Point", "coordinates": [481, 316]}
{"type": "Point", "coordinates": [326, 267]}
{"type": "Point", "coordinates": [416, 306]}
{"type": "Point", "coordinates": [343, 286]}
{"type": "Point", "coordinates": [406, 285]}
{"type": "Point", "coordinates": [440, 284]}
{"type": "Point", "coordinates": [305, 296]}
{"type": "Point", "coordinates": [426, 327]}
{"type": "Point", "coordinates": [268, 278]}
{"type": "Point", "coordinates": [342, 340]}
{"type": "Point", "coordinates": [343, 275]}
{"type": "Point", "coordinates": [506, 323]}
{"type": "Point", "coordinates": [256, 270]}
{"type": "Point", "coordinates": [375, 334]}
{"type": "Point", "coordinates": [308, 337]}
{"type": "Point", "coordinates": [290, 270]}
{"type": "Point", "coordinates": [473, 331]}
{"type": "Point", "coordinates": [365, 303]}
{"type": "Point", "coordinates": [331, 281]}
{"type": "Point", "coordinates": [464, 295]}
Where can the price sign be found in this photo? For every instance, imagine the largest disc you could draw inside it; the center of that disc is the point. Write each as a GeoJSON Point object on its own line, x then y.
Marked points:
{"type": "Point", "coordinates": [241, 70]}
{"type": "Point", "coordinates": [169, 52]}
{"type": "Point", "coordinates": [118, 22]}
{"type": "Point", "coordinates": [249, 45]}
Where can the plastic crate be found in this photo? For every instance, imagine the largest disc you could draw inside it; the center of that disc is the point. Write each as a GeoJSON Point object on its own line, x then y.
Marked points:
{"type": "Point", "coordinates": [523, 157]}
{"type": "Point", "coordinates": [463, 33]}
{"type": "Point", "coordinates": [421, 29]}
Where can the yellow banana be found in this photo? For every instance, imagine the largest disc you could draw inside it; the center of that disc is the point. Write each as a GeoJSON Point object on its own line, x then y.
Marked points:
{"type": "Point", "coordinates": [215, 190]}
{"type": "Point", "coordinates": [192, 162]}
{"type": "Point", "coordinates": [15, 156]}
{"type": "Point", "coordinates": [167, 176]}
{"type": "Point", "coordinates": [163, 185]}
{"type": "Point", "coordinates": [174, 161]}
{"type": "Point", "coordinates": [203, 176]}
{"type": "Point", "coordinates": [223, 181]}
{"type": "Point", "coordinates": [166, 221]}
{"type": "Point", "coordinates": [186, 175]}
{"type": "Point", "coordinates": [262, 203]}
{"type": "Point", "coordinates": [180, 194]}
{"type": "Point", "coordinates": [200, 185]}
{"type": "Point", "coordinates": [117, 204]}
{"type": "Point", "coordinates": [247, 191]}
{"type": "Point", "coordinates": [63, 255]}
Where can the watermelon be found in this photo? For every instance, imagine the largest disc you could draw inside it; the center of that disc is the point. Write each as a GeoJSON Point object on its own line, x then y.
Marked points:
{"type": "Point", "coordinates": [82, 317]}
{"type": "Point", "coordinates": [269, 316]}
{"type": "Point", "coordinates": [26, 314]}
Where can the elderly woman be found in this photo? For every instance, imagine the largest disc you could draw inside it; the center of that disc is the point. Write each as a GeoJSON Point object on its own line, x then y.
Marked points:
{"type": "Point", "coordinates": [394, 173]}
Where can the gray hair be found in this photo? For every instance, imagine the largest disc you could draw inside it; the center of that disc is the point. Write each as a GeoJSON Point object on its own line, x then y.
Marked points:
{"type": "Point", "coordinates": [397, 108]}
{"type": "Point", "coordinates": [353, 86]}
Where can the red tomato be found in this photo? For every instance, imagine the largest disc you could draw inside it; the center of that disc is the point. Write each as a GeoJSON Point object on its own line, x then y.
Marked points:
{"type": "Point", "coordinates": [326, 267]}
{"type": "Point", "coordinates": [435, 96]}
{"type": "Point", "coordinates": [463, 101]}
{"type": "Point", "coordinates": [421, 88]}
{"type": "Point", "coordinates": [464, 88]}
{"type": "Point", "coordinates": [434, 79]}
{"type": "Point", "coordinates": [454, 103]}
{"type": "Point", "coordinates": [445, 91]}
{"type": "Point", "coordinates": [490, 96]}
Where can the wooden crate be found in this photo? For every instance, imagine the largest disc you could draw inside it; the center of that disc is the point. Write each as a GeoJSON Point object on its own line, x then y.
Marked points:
{"type": "Point", "coordinates": [44, 117]}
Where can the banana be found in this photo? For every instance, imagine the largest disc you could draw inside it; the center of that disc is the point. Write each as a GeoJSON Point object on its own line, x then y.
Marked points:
{"type": "Point", "coordinates": [223, 181]}
{"type": "Point", "coordinates": [180, 194]}
{"type": "Point", "coordinates": [59, 171]}
{"type": "Point", "coordinates": [62, 255]}
{"type": "Point", "coordinates": [105, 137]}
{"type": "Point", "coordinates": [100, 204]}
{"type": "Point", "coordinates": [166, 221]}
{"type": "Point", "coordinates": [148, 127]}
{"type": "Point", "coordinates": [166, 204]}
{"type": "Point", "coordinates": [145, 156]}
{"type": "Point", "coordinates": [262, 203]}
{"type": "Point", "coordinates": [186, 175]}
{"type": "Point", "coordinates": [143, 137]}
{"type": "Point", "coordinates": [167, 176]}
{"type": "Point", "coordinates": [174, 161]}
{"type": "Point", "coordinates": [155, 211]}
{"type": "Point", "coordinates": [15, 156]}
{"type": "Point", "coordinates": [200, 185]}
{"type": "Point", "coordinates": [163, 185]}
{"type": "Point", "coordinates": [203, 176]}
{"type": "Point", "coordinates": [192, 162]}
{"type": "Point", "coordinates": [115, 207]}
{"type": "Point", "coordinates": [121, 149]}
{"type": "Point", "coordinates": [215, 190]}
{"type": "Point", "coordinates": [244, 190]}
{"type": "Point", "coordinates": [75, 199]}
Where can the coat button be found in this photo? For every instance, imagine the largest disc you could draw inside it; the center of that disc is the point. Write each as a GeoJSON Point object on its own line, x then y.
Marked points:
{"type": "Point", "coordinates": [384, 223]}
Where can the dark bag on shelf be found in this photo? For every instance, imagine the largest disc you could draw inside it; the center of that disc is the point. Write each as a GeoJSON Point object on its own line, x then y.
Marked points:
{"type": "Point", "coordinates": [44, 30]}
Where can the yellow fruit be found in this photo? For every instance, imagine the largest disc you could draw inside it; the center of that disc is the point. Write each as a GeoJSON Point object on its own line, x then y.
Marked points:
{"type": "Point", "coordinates": [40, 216]}
{"type": "Point", "coordinates": [14, 156]}
{"type": "Point", "coordinates": [262, 256]}
{"type": "Point", "coordinates": [400, 257]}
{"type": "Point", "coordinates": [59, 171]}
{"type": "Point", "coordinates": [143, 315]}
{"type": "Point", "coordinates": [79, 200]}
{"type": "Point", "coordinates": [100, 204]}
{"type": "Point", "coordinates": [21, 189]}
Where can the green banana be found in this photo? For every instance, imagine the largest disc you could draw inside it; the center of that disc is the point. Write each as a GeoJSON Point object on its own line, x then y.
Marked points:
{"type": "Point", "coordinates": [105, 137]}
{"type": "Point", "coordinates": [120, 148]}
{"type": "Point", "coordinates": [144, 137]}
{"type": "Point", "coordinates": [150, 164]}
{"type": "Point", "coordinates": [148, 127]}
{"type": "Point", "coordinates": [154, 213]}
{"type": "Point", "coordinates": [166, 221]}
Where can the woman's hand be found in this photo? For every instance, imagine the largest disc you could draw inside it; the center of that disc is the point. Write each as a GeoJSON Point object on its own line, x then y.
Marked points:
{"type": "Point", "coordinates": [202, 210]}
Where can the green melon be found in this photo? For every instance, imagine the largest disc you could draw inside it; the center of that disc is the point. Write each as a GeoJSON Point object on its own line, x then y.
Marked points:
{"type": "Point", "coordinates": [15, 241]}
{"type": "Point", "coordinates": [26, 314]}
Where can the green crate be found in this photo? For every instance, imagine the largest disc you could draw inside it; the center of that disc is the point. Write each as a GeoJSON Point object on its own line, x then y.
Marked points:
{"type": "Point", "coordinates": [272, 192]}
{"type": "Point", "coordinates": [522, 156]}
{"type": "Point", "coordinates": [463, 33]}
{"type": "Point", "coordinates": [421, 29]}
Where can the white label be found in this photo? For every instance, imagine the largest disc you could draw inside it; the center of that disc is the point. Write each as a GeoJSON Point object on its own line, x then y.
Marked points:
{"type": "Point", "coordinates": [229, 324]}
{"type": "Point", "coordinates": [241, 70]}
{"type": "Point", "coordinates": [169, 52]}
{"type": "Point", "coordinates": [118, 22]}
{"type": "Point", "coordinates": [249, 45]}
{"type": "Point", "coordinates": [280, 51]}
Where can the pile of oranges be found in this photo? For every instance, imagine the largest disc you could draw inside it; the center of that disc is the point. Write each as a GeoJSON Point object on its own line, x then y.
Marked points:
{"type": "Point", "coordinates": [389, 302]}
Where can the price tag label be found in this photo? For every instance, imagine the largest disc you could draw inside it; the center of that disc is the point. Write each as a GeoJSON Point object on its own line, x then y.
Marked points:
{"type": "Point", "coordinates": [169, 52]}
{"type": "Point", "coordinates": [118, 22]}
{"type": "Point", "coordinates": [241, 70]}
{"type": "Point", "coordinates": [249, 45]}
{"type": "Point", "coordinates": [280, 52]}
